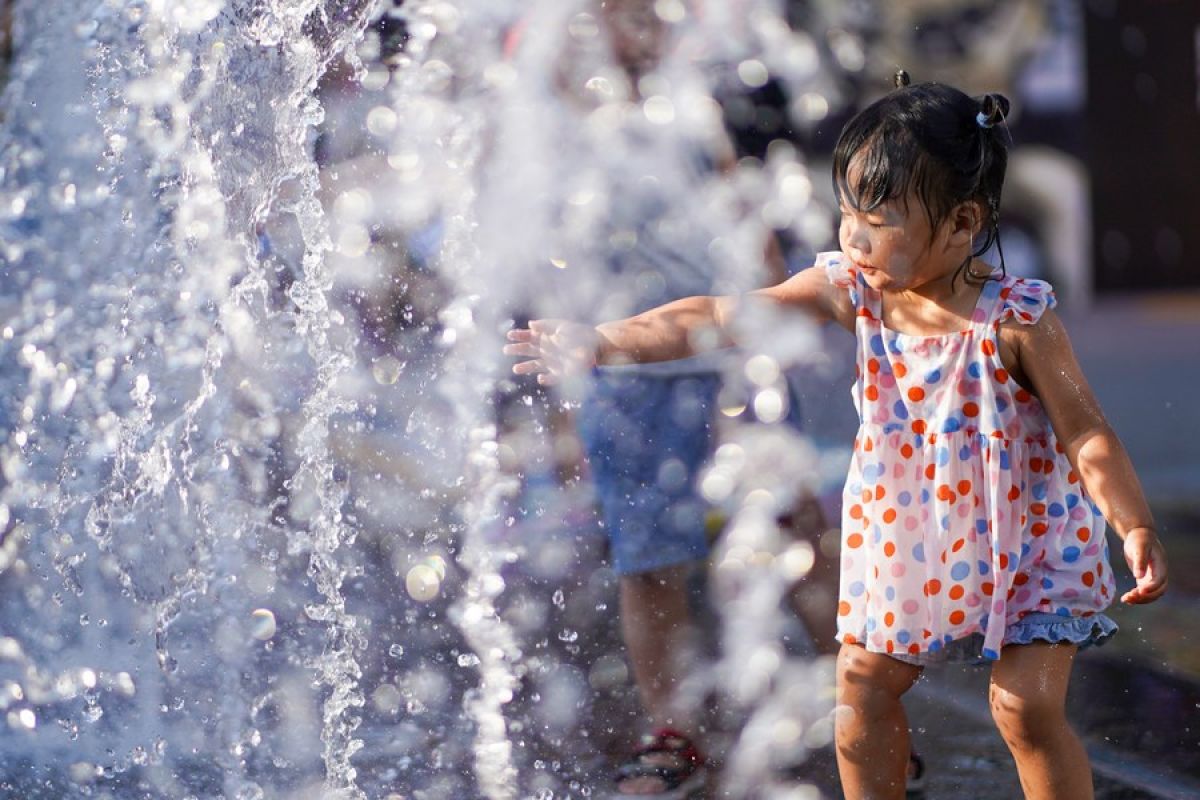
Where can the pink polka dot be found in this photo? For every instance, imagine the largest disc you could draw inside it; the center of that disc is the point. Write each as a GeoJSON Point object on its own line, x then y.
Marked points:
{"type": "Point", "coordinates": [963, 510]}
{"type": "Point", "coordinates": [909, 607]}
{"type": "Point", "coordinates": [910, 523]}
{"type": "Point", "coordinates": [973, 601]}
{"type": "Point", "coordinates": [897, 569]}
{"type": "Point", "coordinates": [887, 381]}
{"type": "Point", "coordinates": [1070, 594]}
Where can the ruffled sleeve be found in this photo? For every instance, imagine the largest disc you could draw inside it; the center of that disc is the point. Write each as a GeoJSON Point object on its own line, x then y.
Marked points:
{"type": "Point", "coordinates": [837, 268]}
{"type": "Point", "coordinates": [1025, 300]}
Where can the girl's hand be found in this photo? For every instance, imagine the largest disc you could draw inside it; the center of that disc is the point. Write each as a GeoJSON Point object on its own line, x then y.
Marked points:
{"type": "Point", "coordinates": [1147, 560]}
{"type": "Point", "coordinates": [556, 349]}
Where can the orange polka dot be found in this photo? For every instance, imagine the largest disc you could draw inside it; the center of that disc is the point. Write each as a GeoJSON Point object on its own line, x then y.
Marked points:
{"type": "Point", "coordinates": [1100, 569]}
{"type": "Point", "coordinates": [1004, 561]}
{"type": "Point", "coordinates": [970, 409]}
{"type": "Point", "coordinates": [1088, 579]}
{"type": "Point", "coordinates": [889, 619]}
{"type": "Point", "coordinates": [957, 617]}
{"type": "Point", "coordinates": [930, 471]}
{"type": "Point", "coordinates": [1023, 396]}
{"type": "Point", "coordinates": [1035, 464]}
{"type": "Point", "coordinates": [964, 487]}
{"type": "Point", "coordinates": [889, 517]}
{"type": "Point", "coordinates": [880, 492]}
{"type": "Point", "coordinates": [856, 512]}
{"type": "Point", "coordinates": [889, 549]}
{"type": "Point", "coordinates": [932, 586]}
{"type": "Point", "coordinates": [1083, 534]}
{"type": "Point", "coordinates": [1048, 467]}
{"type": "Point", "coordinates": [987, 589]}
{"type": "Point", "coordinates": [854, 540]}
{"type": "Point", "coordinates": [1001, 375]}
{"type": "Point", "coordinates": [1020, 579]}
{"type": "Point", "coordinates": [873, 366]}
{"type": "Point", "coordinates": [958, 545]}
{"type": "Point", "coordinates": [906, 450]}
{"type": "Point", "coordinates": [843, 609]}
{"type": "Point", "coordinates": [1072, 477]}
{"type": "Point", "coordinates": [899, 369]}
{"type": "Point", "coordinates": [869, 445]}
{"type": "Point", "coordinates": [988, 347]}
{"type": "Point", "coordinates": [1038, 508]}
{"type": "Point", "coordinates": [871, 392]}
{"type": "Point", "coordinates": [866, 495]}
{"type": "Point", "coordinates": [1014, 493]}
{"type": "Point", "coordinates": [1039, 529]}
{"type": "Point", "coordinates": [957, 591]}
{"type": "Point", "coordinates": [913, 649]}
{"type": "Point", "coordinates": [945, 493]}
{"type": "Point", "coordinates": [891, 647]}
{"type": "Point", "coordinates": [918, 426]}
{"type": "Point", "coordinates": [916, 394]}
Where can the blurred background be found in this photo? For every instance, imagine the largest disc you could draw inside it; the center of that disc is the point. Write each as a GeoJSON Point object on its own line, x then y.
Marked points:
{"type": "Point", "coordinates": [1101, 200]}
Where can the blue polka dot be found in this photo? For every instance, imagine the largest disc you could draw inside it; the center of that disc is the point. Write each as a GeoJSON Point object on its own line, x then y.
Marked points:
{"type": "Point", "coordinates": [904, 498]}
{"type": "Point", "coordinates": [918, 552]}
{"type": "Point", "coordinates": [871, 624]}
{"type": "Point", "coordinates": [918, 441]}
{"type": "Point", "coordinates": [924, 496]}
{"type": "Point", "coordinates": [960, 571]}
{"type": "Point", "coordinates": [952, 425]}
{"type": "Point", "coordinates": [984, 568]}
{"type": "Point", "coordinates": [855, 488]}
{"type": "Point", "coordinates": [973, 370]}
{"type": "Point", "coordinates": [890, 593]}
{"type": "Point", "coordinates": [877, 345]}
{"type": "Point", "coordinates": [964, 453]}
{"type": "Point", "coordinates": [1004, 463]}
{"type": "Point", "coordinates": [903, 637]}
{"type": "Point", "coordinates": [935, 645]}
{"type": "Point", "coordinates": [895, 347]}
{"type": "Point", "coordinates": [892, 427]}
{"type": "Point", "coordinates": [1071, 555]}
{"type": "Point", "coordinates": [981, 526]}
{"type": "Point", "coordinates": [945, 522]}
{"type": "Point", "coordinates": [1001, 404]}
{"type": "Point", "coordinates": [1056, 510]}
{"type": "Point", "coordinates": [1025, 548]}
{"type": "Point", "coordinates": [1047, 583]}
{"type": "Point", "coordinates": [1063, 611]}
{"type": "Point", "coordinates": [948, 638]}
{"type": "Point", "coordinates": [1039, 490]}
{"type": "Point", "coordinates": [1072, 500]}
{"type": "Point", "coordinates": [900, 410]}
{"type": "Point", "coordinates": [877, 535]}
{"type": "Point", "coordinates": [990, 654]}
{"type": "Point", "coordinates": [1012, 562]}
{"type": "Point", "coordinates": [934, 376]}
{"type": "Point", "coordinates": [857, 588]}
{"type": "Point", "coordinates": [943, 456]}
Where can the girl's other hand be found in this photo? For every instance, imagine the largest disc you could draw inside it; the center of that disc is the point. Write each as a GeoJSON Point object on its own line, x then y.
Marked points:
{"type": "Point", "coordinates": [1147, 560]}
{"type": "Point", "coordinates": [556, 348]}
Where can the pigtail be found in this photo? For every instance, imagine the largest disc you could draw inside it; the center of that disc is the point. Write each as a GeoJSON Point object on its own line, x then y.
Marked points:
{"type": "Point", "coordinates": [993, 111]}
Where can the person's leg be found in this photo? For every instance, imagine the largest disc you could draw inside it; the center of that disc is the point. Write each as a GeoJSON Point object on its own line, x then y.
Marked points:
{"type": "Point", "coordinates": [1028, 699]}
{"type": "Point", "coordinates": [656, 626]}
{"type": "Point", "coordinates": [871, 729]}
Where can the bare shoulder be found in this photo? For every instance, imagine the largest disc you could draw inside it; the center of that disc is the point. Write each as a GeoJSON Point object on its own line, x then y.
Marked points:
{"type": "Point", "coordinates": [811, 291]}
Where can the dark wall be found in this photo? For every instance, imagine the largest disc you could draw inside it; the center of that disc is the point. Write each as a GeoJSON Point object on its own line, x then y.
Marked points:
{"type": "Point", "coordinates": [1143, 142]}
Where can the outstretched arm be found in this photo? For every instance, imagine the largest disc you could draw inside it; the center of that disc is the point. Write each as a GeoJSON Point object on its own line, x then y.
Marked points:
{"type": "Point", "coordinates": [555, 348]}
{"type": "Point", "coordinates": [1045, 356]}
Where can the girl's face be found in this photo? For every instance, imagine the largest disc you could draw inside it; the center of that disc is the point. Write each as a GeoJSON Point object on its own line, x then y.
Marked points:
{"type": "Point", "coordinates": [891, 245]}
{"type": "Point", "coordinates": [894, 245]}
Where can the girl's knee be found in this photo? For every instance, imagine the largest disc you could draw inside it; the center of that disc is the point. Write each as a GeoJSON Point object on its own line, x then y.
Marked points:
{"type": "Point", "coordinates": [1028, 719]}
{"type": "Point", "coordinates": [872, 681]}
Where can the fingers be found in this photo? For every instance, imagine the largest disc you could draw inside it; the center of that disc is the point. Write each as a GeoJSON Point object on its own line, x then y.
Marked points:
{"type": "Point", "coordinates": [522, 349]}
{"type": "Point", "coordinates": [529, 367]}
{"type": "Point", "coordinates": [1151, 584]}
{"type": "Point", "coordinates": [520, 335]}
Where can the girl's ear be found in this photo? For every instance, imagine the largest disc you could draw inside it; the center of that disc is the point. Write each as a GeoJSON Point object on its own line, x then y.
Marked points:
{"type": "Point", "coordinates": [964, 222]}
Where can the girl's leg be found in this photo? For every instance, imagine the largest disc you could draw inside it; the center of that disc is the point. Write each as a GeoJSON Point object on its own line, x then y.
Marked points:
{"type": "Point", "coordinates": [1028, 698]}
{"type": "Point", "coordinates": [870, 725]}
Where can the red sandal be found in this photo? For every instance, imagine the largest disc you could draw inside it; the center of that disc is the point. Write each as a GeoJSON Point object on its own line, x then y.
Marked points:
{"type": "Point", "coordinates": [668, 757]}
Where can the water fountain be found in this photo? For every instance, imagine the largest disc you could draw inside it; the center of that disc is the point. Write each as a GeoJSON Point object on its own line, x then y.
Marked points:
{"type": "Point", "coordinates": [258, 542]}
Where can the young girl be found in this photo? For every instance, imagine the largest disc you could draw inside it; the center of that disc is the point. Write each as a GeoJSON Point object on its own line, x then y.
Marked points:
{"type": "Point", "coordinates": [972, 522]}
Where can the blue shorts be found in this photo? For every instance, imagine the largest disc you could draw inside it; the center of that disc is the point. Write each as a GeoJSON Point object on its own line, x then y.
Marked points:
{"type": "Point", "coordinates": [646, 439]}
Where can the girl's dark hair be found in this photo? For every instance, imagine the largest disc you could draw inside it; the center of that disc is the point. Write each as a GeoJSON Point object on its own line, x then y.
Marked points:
{"type": "Point", "coordinates": [931, 140]}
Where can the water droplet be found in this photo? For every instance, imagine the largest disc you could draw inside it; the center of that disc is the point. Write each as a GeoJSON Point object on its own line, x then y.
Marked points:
{"type": "Point", "coordinates": [262, 625]}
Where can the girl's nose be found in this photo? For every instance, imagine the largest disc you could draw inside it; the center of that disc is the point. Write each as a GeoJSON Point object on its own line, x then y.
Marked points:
{"type": "Point", "coordinates": [856, 236]}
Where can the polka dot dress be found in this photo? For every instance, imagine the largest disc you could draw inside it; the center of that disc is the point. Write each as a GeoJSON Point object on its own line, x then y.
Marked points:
{"type": "Point", "coordinates": [961, 513]}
